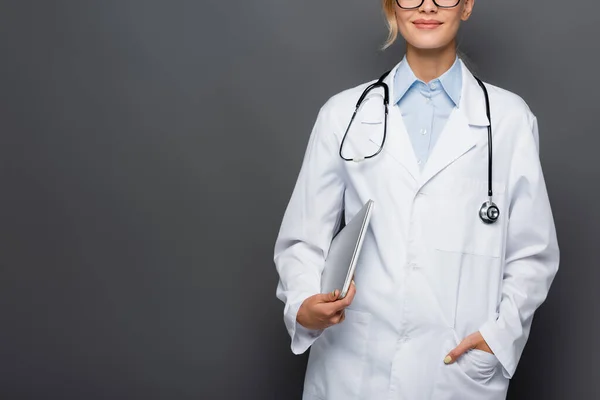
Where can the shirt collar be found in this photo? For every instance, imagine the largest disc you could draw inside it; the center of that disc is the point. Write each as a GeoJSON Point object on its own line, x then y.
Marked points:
{"type": "Point", "coordinates": [451, 81]}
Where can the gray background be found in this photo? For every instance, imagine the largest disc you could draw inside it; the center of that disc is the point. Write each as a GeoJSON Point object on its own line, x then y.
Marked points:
{"type": "Point", "coordinates": [148, 150]}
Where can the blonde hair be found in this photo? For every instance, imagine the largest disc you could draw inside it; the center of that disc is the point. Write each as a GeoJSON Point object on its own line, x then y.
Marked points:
{"type": "Point", "coordinates": [390, 19]}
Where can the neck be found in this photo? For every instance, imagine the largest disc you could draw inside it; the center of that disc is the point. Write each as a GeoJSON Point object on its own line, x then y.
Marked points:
{"type": "Point", "coordinates": [429, 64]}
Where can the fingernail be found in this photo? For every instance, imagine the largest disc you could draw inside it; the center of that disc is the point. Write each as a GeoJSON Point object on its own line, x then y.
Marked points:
{"type": "Point", "coordinates": [353, 282]}
{"type": "Point", "coordinates": [447, 360]}
{"type": "Point", "coordinates": [333, 293]}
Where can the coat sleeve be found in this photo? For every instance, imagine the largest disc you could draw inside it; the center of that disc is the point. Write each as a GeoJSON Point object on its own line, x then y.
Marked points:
{"type": "Point", "coordinates": [311, 218]}
{"type": "Point", "coordinates": [531, 255]}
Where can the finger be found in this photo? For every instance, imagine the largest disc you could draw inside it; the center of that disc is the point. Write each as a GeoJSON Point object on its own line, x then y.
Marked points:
{"type": "Point", "coordinates": [459, 350]}
{"type": "Point", "coordinates": [347, 300]}
{"type": "Point", "coordinates": [329, 297]}
{"type": "Point", "coordinates": [350, 295]}
{"type": "Point", "coordinates": [337, 318]}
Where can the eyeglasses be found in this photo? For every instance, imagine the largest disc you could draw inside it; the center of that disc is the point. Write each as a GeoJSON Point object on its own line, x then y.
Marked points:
{"type": "Point", "coordinates": [412, 4]}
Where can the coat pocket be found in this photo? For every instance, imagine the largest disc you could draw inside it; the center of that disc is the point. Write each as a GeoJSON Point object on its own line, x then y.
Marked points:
{"type": "Point", "coordinates": [479, 365]}
{"type": "Point", "coordinates": [474, 376]}
{"type": "Point", "coordinates": [455, 218]}
{"type": "Point", "coordinates": [337, 359]}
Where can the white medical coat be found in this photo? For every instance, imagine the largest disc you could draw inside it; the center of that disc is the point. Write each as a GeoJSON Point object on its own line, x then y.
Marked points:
{"type": "Point", "coordinates": [430, 272]}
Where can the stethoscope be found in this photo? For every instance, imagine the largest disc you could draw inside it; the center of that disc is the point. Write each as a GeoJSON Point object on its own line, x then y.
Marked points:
{"type": "Point", "coordinates": [489, 211]}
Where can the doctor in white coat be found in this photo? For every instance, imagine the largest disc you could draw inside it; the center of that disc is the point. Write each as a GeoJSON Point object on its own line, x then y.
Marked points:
{"type": "Point", "coordinates": [442, 303]}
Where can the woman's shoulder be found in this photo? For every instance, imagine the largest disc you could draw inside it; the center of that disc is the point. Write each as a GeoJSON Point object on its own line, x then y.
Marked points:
{"type": "Point", "coordinates": [348, 96]}
{"type": "Point", "coordinates": [511, 111]}
{"type": "Point", "coordinates": [343, 103]}
{"type": "Point", "coordinates": [508, 102]}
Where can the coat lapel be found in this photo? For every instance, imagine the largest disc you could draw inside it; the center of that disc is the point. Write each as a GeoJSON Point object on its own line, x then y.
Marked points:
{"type": "Point", "coordinates": [397, 142]}
{"type": "Point", "coordinates": [400, 146]}
{"type": "Point", "coordinates": [456, 139]}
{"type": "Point", "coordinates": [461, 132]}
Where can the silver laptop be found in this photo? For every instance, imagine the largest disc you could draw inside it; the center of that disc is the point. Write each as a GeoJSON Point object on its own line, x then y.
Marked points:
{"type": "Point", "coordinates": [344, 252]}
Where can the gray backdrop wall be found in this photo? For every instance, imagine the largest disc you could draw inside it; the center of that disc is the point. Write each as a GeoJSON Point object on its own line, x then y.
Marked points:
{"type": "Point", "coordinates": [148, 150]}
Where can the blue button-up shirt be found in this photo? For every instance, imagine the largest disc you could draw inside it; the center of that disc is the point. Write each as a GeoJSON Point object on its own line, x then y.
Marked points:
{"type": "Point", "coordinates": [425, 107]}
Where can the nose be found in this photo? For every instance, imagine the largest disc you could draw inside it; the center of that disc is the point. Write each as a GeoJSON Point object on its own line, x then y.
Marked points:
{"type": "Point", "coordinates": [428, 6]}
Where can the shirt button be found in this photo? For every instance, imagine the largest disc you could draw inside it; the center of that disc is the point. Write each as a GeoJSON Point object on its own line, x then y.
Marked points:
{"type": "Point", "coordinates": [419, 162]}
{"type": "Point", "coordinates": [433, 85]}
{"type": "Point", "coordinates": [423, 131]}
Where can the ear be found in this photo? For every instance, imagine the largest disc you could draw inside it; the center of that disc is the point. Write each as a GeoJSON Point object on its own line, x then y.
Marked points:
{"type": "Point", "coordinates": [467, 9]}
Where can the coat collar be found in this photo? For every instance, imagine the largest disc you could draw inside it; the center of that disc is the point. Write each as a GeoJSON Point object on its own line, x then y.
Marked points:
{"type": "Point", "coordinates": [459, 135]}
{"type": "Point", "coordinates": [450, 81]}
{"type": "Point", "coordinates": [472, 100]}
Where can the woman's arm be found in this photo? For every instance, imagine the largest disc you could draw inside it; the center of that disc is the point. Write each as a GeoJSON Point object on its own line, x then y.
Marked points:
{"type": "Point", "coordinates": [311, 219]}
{"type": "Point", "coordinates": [532, 253]}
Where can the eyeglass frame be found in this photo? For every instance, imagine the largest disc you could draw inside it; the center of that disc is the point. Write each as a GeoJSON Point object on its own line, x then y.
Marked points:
{"type": "Point", "coordinates": [423, 1]}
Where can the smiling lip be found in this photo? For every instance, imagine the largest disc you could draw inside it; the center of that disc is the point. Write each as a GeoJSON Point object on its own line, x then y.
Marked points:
{"type": "Point", "coordinates": [426, 24]}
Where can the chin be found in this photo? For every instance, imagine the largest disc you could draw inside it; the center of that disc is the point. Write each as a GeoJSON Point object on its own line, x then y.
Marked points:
{"type": "Point", "coordinates": [427, 46]}
{"type": "Point", "coordinates": [428, 43]}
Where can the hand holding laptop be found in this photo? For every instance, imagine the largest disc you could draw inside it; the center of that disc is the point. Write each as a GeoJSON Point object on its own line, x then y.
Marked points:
{"type": "Point", "coordinates": [337, 280]}
{"type": "Point", "coordinates": [324, 310]}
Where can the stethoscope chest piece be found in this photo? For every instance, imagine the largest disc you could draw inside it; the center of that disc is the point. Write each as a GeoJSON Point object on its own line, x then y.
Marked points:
{"type": "Point", "coordinates": [489, 212]}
